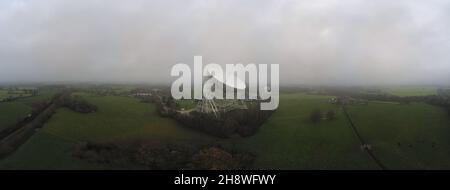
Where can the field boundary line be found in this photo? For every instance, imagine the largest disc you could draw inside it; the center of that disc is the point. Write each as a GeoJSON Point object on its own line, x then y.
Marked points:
{"type": "Point", "coordinates": [362, 141]}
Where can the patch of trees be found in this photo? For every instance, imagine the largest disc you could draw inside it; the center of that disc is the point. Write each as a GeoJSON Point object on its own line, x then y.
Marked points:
{"type": "Point", "coordinates": [318, 115]}
{"type": "Point", "coordinates": [216, 158]}
{"type": "Point", "coordinates": [244, 122]}
{"type": "Point", "coordinates": [157, 155]}
{"type": "Point", "coordinates": [315, 116]}
{"type": "Point", "coordinates": [331, 115]}
{"type": "Point", "coordinates": [76, 104]}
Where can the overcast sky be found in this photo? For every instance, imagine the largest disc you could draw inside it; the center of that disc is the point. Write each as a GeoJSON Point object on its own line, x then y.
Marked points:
{"type": "Point", "coordinates": [316, 41]}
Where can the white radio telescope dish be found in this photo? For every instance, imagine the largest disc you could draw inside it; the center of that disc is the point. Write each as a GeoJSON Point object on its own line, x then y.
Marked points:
{"type": "Point", "coordinates": [238, 83]}
{"type": "Point", "coordinates": [209, 105]}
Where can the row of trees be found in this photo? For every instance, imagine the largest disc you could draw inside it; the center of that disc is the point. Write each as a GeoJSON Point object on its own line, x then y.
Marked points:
{"type": "Point", "coordinates": [76, 104]}
{"type": "Point", "coordinates": [437, 100]}
{"type": "Point", "coordinates": [442, 99]}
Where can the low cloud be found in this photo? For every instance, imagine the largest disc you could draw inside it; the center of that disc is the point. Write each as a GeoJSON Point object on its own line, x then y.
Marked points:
{"type": "Point", "coordinates": [315, 42]}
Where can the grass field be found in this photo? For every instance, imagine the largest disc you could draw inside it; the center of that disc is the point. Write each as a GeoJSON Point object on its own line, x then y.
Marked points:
{"type": "Point", "coordinates": [11, 112]}
{"type": "Point", "coordinates": [118, 119]}
{"type": "Point", "coordinates": [415, 136]}
{"type": "Point", "coordinates": [45, 151]}
{"type": "Point", "coordinates": [288, 140]}
{"type": "Point", "coordinates": [3, 94]}
{"type": "Point", "coordinates": [18, 93]}
{"type": "Point", "coordinates": [186, 104]}
{"type": "Point", "coordinates": [411, 90]}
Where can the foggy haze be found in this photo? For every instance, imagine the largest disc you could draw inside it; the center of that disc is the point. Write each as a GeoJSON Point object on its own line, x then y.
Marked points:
{"type": "Point", "coordinates": [315, 42]}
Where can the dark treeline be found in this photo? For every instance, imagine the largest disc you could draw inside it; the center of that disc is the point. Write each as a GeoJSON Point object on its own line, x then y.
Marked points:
{"type": "Point", "coordinates": [435, 100]}
{"type": "Point", "coordinates": [76, 104]}
{"type": "Point", "coordinates": [442, 99]}
{"type": "Point", "coordinates": [244, 122]}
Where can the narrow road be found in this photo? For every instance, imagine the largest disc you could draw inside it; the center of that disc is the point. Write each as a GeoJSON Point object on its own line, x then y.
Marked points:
{"type": "Point", "coordinates": [362, 141]}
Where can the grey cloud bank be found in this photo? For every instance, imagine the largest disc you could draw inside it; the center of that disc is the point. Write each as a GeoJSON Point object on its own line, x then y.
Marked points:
{"type": "Point", "coordinates": [315, 42]}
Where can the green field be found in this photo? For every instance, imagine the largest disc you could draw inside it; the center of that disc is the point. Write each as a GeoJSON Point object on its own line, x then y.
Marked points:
{"type": "Point", "coordinates": [411, 90]}
{"type": "Point", "coordinates": [3, 94]}
{"type": "Point", "coordinates": [186, 104]}
{"type": "Point", "coordinates": [415, 136]}
{"type": "Point", "coordinates": [118, 119]}
{"type": "Point", "coordinates": [45, 151]}
{"type": "Point", "coordinates": [17, 93]}
{"type": "Point", "coordinates": [288, 140]}
{"type": "Point", "coordinates": [11, 112]}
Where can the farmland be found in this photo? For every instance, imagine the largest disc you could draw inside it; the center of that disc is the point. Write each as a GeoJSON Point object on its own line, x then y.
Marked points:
{"type": "Point", "coordinates": [413, 136]}
{"type": "Point", "coordinates": [13, 111]}
{"type": "Point", "coordinates": [6, 94]}
{"type": "Point", "coordinates": [411, 90]}
{"type": "Point", "coordinates": [118, 119]}
{"type": "Point", "coordinates": [290, 141]}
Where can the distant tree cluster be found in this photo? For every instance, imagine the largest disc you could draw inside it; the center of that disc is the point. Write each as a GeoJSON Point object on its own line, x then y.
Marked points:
{"type": "Point", "coordinates": [244, 122]}
{"type": "Point", "coordinates": [436, 100]}
{"type": "Point", "coordinates": [442, 99]}
{"type": "Point", "coordinates": [80, 106]}
{"type": "Point", "coordinates": [317, 115]}
{"type": "Point", "coordinates": [76, 104]}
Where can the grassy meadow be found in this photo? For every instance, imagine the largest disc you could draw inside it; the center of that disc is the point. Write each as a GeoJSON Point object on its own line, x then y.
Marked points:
{"type": "Point", "coordinates": [414, 136]}
{"type": "Point", "coordinates": [3, 94]}
{"type": "Point", "coordinates": [11, 112]}
{"type": "Point", "coordinates": [410, 90]}
{"type": "Point", "coordinates": [290, 141]}
{"type": "Point", "coordinates": [118, 119]}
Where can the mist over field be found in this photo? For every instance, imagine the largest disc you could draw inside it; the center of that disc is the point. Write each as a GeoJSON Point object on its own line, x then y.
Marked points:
{"type": "Point", "coordinates": [315, 42]}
